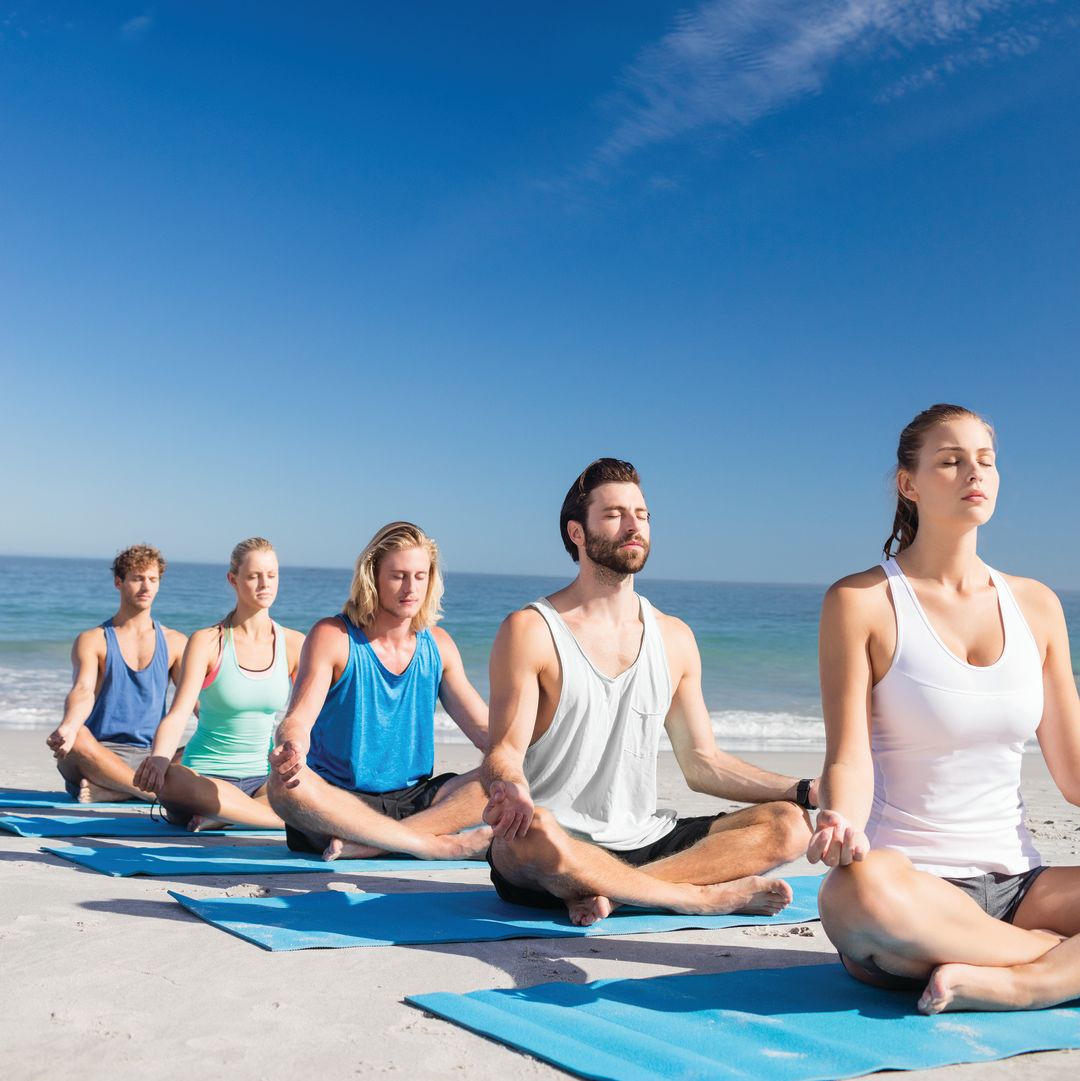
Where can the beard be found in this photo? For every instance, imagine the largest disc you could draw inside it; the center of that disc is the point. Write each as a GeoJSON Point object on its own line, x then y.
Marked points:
{"type": "Point", "coordinates": [607, 553]}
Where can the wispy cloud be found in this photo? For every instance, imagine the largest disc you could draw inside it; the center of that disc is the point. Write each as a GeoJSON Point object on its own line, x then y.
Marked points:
{"type": "Point", "coordinates": [137, 28]}
{"type": "Point", "coordinates": [728, 63]}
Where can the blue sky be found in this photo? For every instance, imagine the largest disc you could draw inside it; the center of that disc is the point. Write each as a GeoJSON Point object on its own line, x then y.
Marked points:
{"type": "Point", "coordinates": [298, 272]}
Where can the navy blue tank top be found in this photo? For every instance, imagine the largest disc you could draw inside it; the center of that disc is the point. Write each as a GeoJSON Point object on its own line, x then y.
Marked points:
{"type": "Point", "coordinates": [376, 730]}
{"type": "Point", "coordinates": [130, 704]}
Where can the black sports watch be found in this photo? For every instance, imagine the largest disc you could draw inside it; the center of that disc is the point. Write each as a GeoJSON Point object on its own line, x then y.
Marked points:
{"type": "Point", "coordinates": [802, 794]}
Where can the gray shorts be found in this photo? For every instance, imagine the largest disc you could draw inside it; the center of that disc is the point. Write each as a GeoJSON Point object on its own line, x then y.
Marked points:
{"type": "Point", "coordinates": [997, 894]}
{"type": "Point", "coordinates": [131, 754]}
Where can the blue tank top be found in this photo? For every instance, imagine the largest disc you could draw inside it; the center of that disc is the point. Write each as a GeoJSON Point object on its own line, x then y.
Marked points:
{"type": "Point", "coordinates": [130, 704]}
{"type": "Point", "coordinates": [376, 730]}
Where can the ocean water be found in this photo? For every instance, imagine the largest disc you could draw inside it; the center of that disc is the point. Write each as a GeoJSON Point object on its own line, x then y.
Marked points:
{"type": "Point", "coordinates": [758, 642]}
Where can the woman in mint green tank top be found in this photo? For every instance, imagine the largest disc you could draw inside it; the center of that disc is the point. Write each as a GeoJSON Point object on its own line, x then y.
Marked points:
{"type": "Point", "coordinates": [240, 672]}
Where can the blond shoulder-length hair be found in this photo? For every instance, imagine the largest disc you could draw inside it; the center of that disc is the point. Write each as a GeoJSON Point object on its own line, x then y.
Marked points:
{"type": "Point", "coordinates": [363, 600]}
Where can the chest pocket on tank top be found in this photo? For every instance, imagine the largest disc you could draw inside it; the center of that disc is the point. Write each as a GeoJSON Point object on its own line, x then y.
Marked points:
{"type": "Point", "coordinates": [644, 719]}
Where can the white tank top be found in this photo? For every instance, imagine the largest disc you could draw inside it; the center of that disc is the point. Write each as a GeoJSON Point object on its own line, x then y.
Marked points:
{"type": "Point", "coordinates": [594, 769]}
{"type": "Point", "coordinates": [947, 739]}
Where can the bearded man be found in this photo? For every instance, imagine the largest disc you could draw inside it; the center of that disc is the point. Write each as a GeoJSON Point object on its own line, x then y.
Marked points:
{"type": "Point", "coordinates": [581, 684]}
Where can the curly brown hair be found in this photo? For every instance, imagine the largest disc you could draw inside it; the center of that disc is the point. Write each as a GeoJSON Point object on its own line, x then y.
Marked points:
{"type": "Point", "coordinates": [136, 558]}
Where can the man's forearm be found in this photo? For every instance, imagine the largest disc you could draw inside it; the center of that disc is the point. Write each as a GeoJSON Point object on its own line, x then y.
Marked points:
{"type": "Point", "coordinates": [77, 708]}
{"type": "Point", "coordinates": [295, 729]}
{"type": "Point", "coordinates": [501, 765]}
{"type": "Point", "coordinates": [731, 778]}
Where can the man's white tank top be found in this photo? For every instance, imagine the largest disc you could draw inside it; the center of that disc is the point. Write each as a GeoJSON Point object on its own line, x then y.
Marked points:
{"type": "Point", "coordinates": [947, 739]}
{"type": "Point", "coordinates": [594, 769]}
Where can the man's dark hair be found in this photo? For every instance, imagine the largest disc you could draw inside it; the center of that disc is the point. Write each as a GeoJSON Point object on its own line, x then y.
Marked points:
{"type": "Point", "coordinates": [576, 503]}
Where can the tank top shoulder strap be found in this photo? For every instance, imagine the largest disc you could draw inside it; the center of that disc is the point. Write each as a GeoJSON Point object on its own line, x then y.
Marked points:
{"type": "Point", "coordinates": [1012, 615]}
{"type": "Point", "coordinates": [356, 637]}
{"type": "Point", "coordinates": [648, 617]}
{"type": "Point", "coordinates": [560, 632]}
{"type": "Point", "coordinates": [112, 646]}
{"type": "Point", "coordinates": [903, 596]}
{"type": "Point", "coordinates": [281, 650]}
{"type": "Point", "coordinates": [906, 608]}
{"type": "Point", "coordinates": [425, 640]}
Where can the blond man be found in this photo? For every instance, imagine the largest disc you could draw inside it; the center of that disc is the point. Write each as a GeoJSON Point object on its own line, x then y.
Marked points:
{"type": "Point", "coordinates": [122, 670]}
{"type": "Point", "coordinates": [351, 769]}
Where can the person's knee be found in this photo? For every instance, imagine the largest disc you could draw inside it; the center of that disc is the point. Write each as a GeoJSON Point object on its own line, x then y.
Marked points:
{"type": "Point", "coordinates": [542, 848]}
{"type": "Point", "coordinates": [282, 799]}
{"type": "Point", "coordinates": [791, 830]}
{"type": "Point", "coordinates": [868, 899]}
{"type": "Point", "coordinates": [84, 747]}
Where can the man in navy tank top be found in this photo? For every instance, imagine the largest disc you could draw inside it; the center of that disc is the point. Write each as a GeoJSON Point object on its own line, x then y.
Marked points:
{"type": "Point", "coordinates": [121, 675]}
{"type": "Point", "coordinates": [351, 769]}
{"type": "Point", "coordinates": [582, 683]}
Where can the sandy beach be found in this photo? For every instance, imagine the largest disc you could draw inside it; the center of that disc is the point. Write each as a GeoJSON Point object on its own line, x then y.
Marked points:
{"type": "Point", "coordinates": [109, 978]}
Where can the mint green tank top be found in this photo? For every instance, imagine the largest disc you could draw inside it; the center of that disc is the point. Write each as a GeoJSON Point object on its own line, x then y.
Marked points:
{"type": "Point", "coordinates": [237, 714]}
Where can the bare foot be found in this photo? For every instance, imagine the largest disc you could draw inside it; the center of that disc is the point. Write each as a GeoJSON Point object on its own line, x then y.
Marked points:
{"type": "Point", "coordinates": [751, 896]}
{"type": "Point", "coordinates": [95, 793]}
{"type": "Point", "coordinates": [199, 823]}
{"type": "Point", "coordinates": [971, 987]}
{"type": "Point", "coordinates": [338, 849]}
{"type": "Point", "coordinates": [472, 844]}
{"type": "Point", "coordinates": [585, 911]}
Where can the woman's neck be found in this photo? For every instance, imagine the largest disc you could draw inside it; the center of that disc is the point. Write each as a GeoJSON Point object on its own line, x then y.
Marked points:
{"type": "Point", "coordinates": [943, 556]}
{"type": "Point", "coordinates": [251, 622]}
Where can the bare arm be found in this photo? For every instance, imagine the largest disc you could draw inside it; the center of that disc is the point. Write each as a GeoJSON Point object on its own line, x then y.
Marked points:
{"type": "Point", "coordinates": [294, 644]}
{"type": "Point", "coordinates": [847, 782]}
{"type": "Point", "coordinates": [87, 657]}
{"type": "Point", "coordinates": [458, 696]}
{"type": "Point", "coordinates": [201, 652]}
{"type": "Point", "coordinates": [517, 659]}
{"type": "Point", "coordinates": [177, 644]}
{"type": "Point", "coordinates": [326, 650]}
{"type": "Point", "coordinates": [689, 727]}
{"type": "Point", "coordinates": [1059, 731]}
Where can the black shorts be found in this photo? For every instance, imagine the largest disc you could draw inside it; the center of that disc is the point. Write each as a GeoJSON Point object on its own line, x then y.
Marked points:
{"type": "Point", "coordinates": [685, 833]}
{"type": "Point", "coordinates": [397, 804]}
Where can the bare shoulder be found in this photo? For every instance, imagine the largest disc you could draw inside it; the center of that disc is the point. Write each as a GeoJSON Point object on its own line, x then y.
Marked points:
{"type": "Point", "coordinates": [448, 649]}
{"type": "Point", "coordinates": [526, 623]}
{"type": "Point", "coordinates": [859, 586]}
{"type": "Point", "coordinates": [676, 633]}
{"type": "Point", "coordinates": [526, 635]}
{"type": "Point", "coordinates": [90, 642]}
{"type": "Point", "coordinates": [1038, 602]}
{"type": "Point", "coordinates": [176, 639]}
{"type": "Point", "coordinates": [329, 625]}
{"type": "Point", "coordinates": [864, 592]}
{"type": "Point", "coordinates": [294, 639]}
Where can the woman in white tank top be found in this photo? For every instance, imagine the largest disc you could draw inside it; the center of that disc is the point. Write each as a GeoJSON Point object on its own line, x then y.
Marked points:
{"type": "Point", "coordinates": [935, 670]}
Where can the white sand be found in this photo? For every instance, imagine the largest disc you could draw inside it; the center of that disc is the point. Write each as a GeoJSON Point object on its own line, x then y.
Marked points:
{"type": "Point", "coordinates": [109, 978]}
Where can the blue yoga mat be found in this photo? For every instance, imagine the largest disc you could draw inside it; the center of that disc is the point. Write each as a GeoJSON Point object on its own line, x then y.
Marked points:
{"type": "Point", "coordinates": [135, 825]}
{"type": "Point", "coordinates": [332, 920]}
{"type": "Point", "coordinates": [27, 797]}
{"type": "Point", "coordinates": [123, 861]}
{"type": "Point", "coordinates": [785, 1024]}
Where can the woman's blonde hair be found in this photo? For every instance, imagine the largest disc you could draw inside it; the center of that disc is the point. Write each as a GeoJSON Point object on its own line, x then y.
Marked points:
{"type": "Point", "coordinates": [244, 549]}
{"type": "Point", "coordinates": [236, 560]}
{"type": "Point", "coordinates": [363, 600]}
